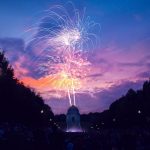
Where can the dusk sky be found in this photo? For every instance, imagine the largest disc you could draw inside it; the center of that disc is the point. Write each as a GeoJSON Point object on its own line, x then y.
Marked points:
{"type": "Point", "coordinates": [119, 61]}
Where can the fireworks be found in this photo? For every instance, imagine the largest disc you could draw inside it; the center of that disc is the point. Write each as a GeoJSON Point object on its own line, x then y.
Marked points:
{"type": "Point", "coordinates": [66, 38]}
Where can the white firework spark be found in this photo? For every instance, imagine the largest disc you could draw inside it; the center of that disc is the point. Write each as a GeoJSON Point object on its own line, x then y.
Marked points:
{"type": "Point", "coordinates": [66, 38]}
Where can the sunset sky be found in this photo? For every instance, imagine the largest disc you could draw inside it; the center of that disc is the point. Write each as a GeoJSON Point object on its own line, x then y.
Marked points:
{"type": "Point", "coordinates": [120, 60]}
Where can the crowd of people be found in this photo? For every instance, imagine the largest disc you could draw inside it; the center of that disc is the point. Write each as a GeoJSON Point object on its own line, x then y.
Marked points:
{"type": "Point", "coordinates": [112, 139]}
{"type": "Point", "coordinates": [20, 137]}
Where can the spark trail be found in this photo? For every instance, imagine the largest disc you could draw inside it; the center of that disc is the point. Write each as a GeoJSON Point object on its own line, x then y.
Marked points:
{"type": "Point", "coordinates": [66, 38]}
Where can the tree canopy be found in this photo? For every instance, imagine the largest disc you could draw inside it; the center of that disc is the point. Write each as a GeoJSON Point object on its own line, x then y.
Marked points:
{"type": "Point", "coordinates": [19, 103]}
{"type": "Point", "coordinates": [130, 110]}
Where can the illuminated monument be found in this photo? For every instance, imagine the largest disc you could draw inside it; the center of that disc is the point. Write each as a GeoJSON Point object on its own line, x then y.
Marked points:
{"type": "Point", "coordinates": [73, 119]}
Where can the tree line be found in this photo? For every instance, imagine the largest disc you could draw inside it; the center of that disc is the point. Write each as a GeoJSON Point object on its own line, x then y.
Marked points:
{"type": "Point", "coordinates": [19, 103]}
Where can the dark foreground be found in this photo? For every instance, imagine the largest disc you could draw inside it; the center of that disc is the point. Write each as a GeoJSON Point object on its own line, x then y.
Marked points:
{"type": "Point", "coordinates": [18, 137]}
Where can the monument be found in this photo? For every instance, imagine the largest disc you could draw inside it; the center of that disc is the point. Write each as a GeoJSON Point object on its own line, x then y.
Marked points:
{"type": "Point", "coordinates": [73, 119]}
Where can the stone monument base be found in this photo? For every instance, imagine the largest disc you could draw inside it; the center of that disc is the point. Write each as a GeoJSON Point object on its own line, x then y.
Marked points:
{"type": "Point", "coordinates": [73, 119]}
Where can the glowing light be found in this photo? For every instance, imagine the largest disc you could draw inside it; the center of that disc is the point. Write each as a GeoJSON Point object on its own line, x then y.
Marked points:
{"type": "Point", "coordinates": [114, 119]}
{"type": "Point", "coordinates": [68, 37]}
{"type": "Point", "coordinates": [74, 130]}
{"type": "Point", "coordinates": [42, 111]}
{"type": "Point", "coordinates": [102, 123]}
{"type": "Point", "coordinates": [139, 111]}
{"type": "Point", "coordinates": [65, 47]}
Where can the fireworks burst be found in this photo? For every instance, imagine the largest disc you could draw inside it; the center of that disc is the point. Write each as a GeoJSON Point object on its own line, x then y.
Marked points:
{"type": "Point", "coordinates": [66, 38]}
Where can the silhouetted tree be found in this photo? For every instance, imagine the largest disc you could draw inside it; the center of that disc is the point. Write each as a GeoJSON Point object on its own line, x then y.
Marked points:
{"type": "Point", "coordinates": [19, 103]}
{"type": "Point", "coordinates": [129, 110]}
